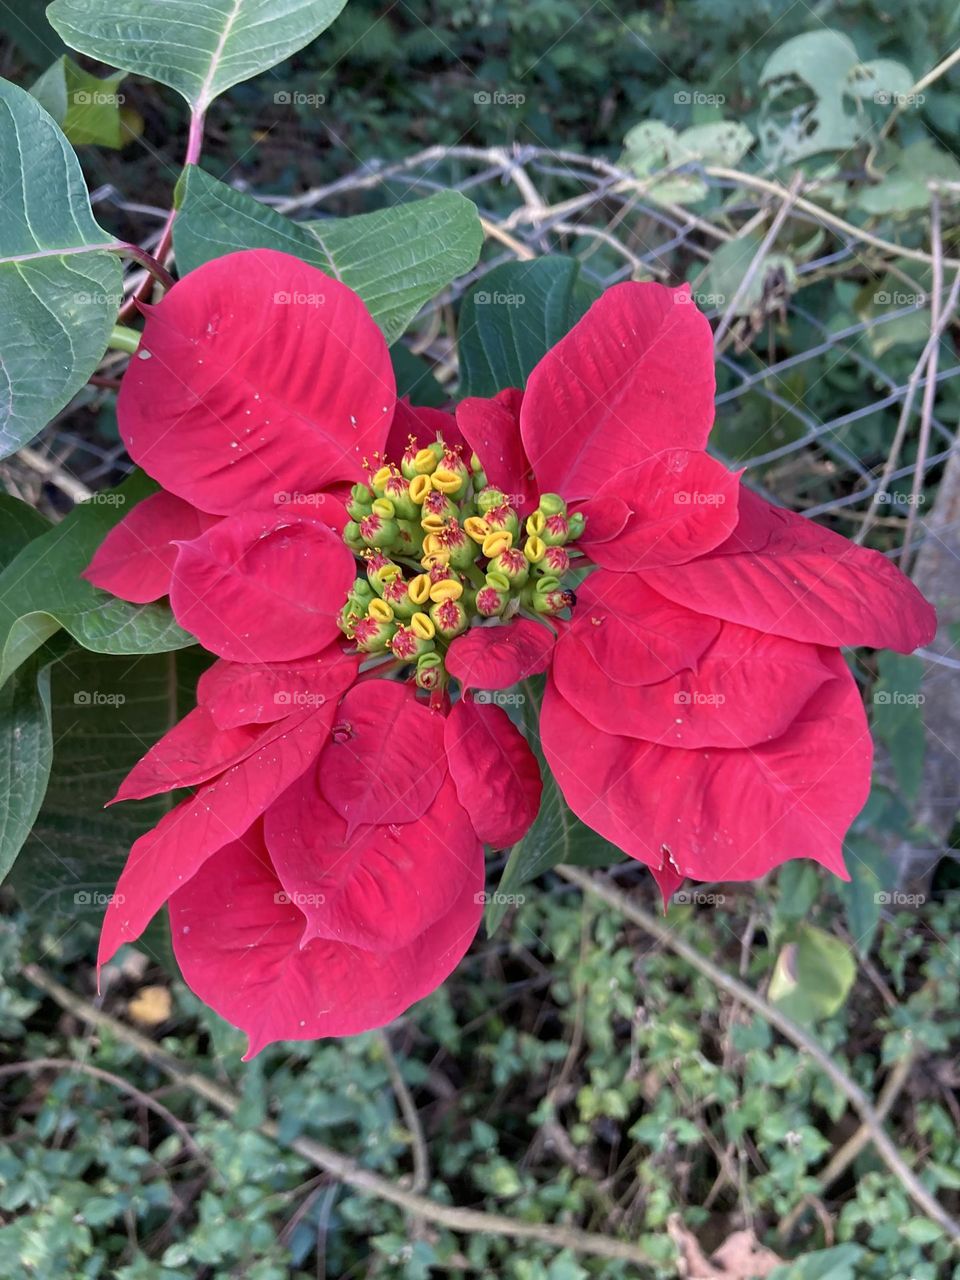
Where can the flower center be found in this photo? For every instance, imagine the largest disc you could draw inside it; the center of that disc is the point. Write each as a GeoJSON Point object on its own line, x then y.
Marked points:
{"type": "Point", "coordinates": [443, 550]}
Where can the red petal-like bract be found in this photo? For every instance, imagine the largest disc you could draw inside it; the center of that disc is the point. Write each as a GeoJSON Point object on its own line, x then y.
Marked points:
{"type": "Point", "coordinates": [385, 760]}
{"type": "Point", "coordinates": [220, 812]}
{"type": "Point", "coordinates": [779, 572]}
{"type": "Point", "coordinates": [624, 633]}
{"type": "Point", "coordinates": [420, 425]}
{"type": "Point", "coordinates": [496, 773]}
{"type": "Point", "coordinates": [136, 558]}
{"type": "Point", "coordinates": [678, 505]}
{"type": "Point", "coordinates": [491, 428]}
{"type": "Point", "coordinates": [242, 693]}
{"type": "Point", "coordinates": [715, 813]}
{"type": "Point", "coordinates": [244, 958]}
{"type": "Point", "coordinates": [263, 587]}
{"type": "Point", "coordinates": [379, 888]}
{"type": "Point", "coordinates": [258, 378]}
{"type": "Point", "coordinates": [634, 377]}
{"type": "Point", "coordinates": [495, 657]}
{"type": "Point", "coordinates": [193, 751]}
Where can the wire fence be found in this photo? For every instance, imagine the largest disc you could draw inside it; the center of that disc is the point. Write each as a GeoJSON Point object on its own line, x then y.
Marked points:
{"type": "Point", "coordinates": [837, 430]}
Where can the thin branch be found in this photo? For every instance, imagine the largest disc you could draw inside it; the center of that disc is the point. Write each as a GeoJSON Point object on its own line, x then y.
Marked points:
{"type": "Point", "coordinates": [857, 1098]}
{"type": "Point", "coordinates": [340, 1166]}
{"type": "Point", "coordinates": [124, 1086]}
{"type": "Point", "coordinates": [408, 1109]}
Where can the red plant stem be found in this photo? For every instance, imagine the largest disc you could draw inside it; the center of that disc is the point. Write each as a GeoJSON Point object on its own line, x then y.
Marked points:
{"type": "Point", "coordinates": [194, 147]}
{"type": "Point", "coordinates": [156, 268]}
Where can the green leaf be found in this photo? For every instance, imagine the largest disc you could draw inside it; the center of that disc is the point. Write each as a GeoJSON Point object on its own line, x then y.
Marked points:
{"type": "Point", "coordinates": [824, 1264]}
{"type": "Point", "coordinates": [59, 288]}
{"type": "Point", "coordinates": [41, 590]}
{"type": "Point", "coordinates": [19, 524]}
{"type": "Point", "coordinates": [26, 751]}
{"type": "Point", "coordinates": [652, 146]}
{"type": "Point", "coordinates": [396, 259]}
{"type": "Point", "coordinates": [898, 719]}
{"type": "Point", "coordinates": [106, 713]}
{"type": "Point", "coordinates": [906, 185]}
{"type": "Point", "coordinates": [864, 893]}
{"type": "Point", "coordinates": [556, 836]}
{"type": "Point", "coordinates": [813, 975]}
{"type": "Point", "coordinates": [26, 25]}
{"type": "Point", "coordinates": [730, 264]}
{"type": "Point", "coordinates": [85, 107]}
{"type": "Point", "coordinates": [798, 883]}
{"type": "Point", "coordinates": [415, 378]}
{"type": "Point", "coordinates": [199, 50]}
{"type": "Point", "coordinates": [512, 318]}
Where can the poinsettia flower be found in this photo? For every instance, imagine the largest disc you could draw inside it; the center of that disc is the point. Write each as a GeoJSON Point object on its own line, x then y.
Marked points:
{"type": "Point", "coordinates": [370, 575]}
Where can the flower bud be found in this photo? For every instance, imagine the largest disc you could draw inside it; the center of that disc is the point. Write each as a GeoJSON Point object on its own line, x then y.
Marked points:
{"type": "Point", "coordinates": [548, 597]}
{"type": "Point", "coordinates": [438, 509]}
{"type": "Point", "coordinates": [535, 549]}
{"type": "Point", "coordinates": [551, 504]}
{"type": "Point", "coordinates": [478, 473]}
{"type": "Point", "coordinates": [491, 600]}
{"type": "Point", "coordinates": [360, 501]}
{"type": "Point", "coordinates": [495, 543]}
{"type": "Point", "coordinates": [556, 530]}
{"type": "Point", "coordinates": [397, 489]}
{"type": "Point", "coordinates": [556, 561]}
{"type": "Point", "coordinates": [372, 635]}
{"type": "Point", "coordinates": [411, 641]}
{"type": "Point", "coordinates": [352, 537]}
{"type": "Point", "coordinates": [430, 673]}
{"type": "Point", "coordinates": [446, 589]}
{"type": "Point", "coordinates": [426, 461]}
{"type": "Point", "coordinates": [504, 519]}
{"type": "Point", "coordinates": [462, 550]}
{"type": "Point", "coordinates": [578, 522]}
{"type": "Point", "coordinates": [449, 617]}
{"type": "Point", "coordinates": [355, 606]}
{"type": "Point", "coordinates": [381, 570]}
{"type": "Point", "coordinates": [489, 498]}
{"type": "Point", "coordinates": [379, 530]}
{"type": "Point", "coordinates": [512, 563]}
{"type": "Point", "coordinates": [397, 596]}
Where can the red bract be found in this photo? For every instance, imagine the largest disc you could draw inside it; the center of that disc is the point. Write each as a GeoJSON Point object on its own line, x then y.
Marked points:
{"type": "Point", "coordinates": [353, 560]}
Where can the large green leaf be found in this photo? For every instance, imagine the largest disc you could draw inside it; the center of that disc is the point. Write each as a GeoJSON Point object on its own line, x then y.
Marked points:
{"type": "Point", "coordinates": [106, 713]}
{"type": "Point", "coordinates": [26, 751]}
{"type": "Point", "coordinates": [513, 317]}
{"type": "Point", "coordinates": [41, 590]}
{"type": "Point", "coordinates": [198, 49]}
{"type": "Point", "coordinates": [395, 259]}
{"type": "Point", "coordinates": [897, 717]}
{"type": "Point", "coordinates": [59, 287]}
{"type": "Point", "coordinates": [19, 524]}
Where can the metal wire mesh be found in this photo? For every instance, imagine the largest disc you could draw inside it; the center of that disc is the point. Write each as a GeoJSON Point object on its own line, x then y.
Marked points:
{"type": "Point", "coordinates": [536, 201]}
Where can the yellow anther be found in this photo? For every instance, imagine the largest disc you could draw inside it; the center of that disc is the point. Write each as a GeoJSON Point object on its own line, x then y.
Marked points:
{"type": "Point", "coordinates": [433, 524]}
{"type": "Point", "coordinates": [420, 486]}
{"type": "Point", "coordinates": [497, 542]}
{"type": "Point", "coordinates": [384, 507]}
{"type": "Point", "coordinates": [421, 624]}
{"type": "Point", "coordinates": [433, 545]}
{"type": "Point", "coordinates": [447, 589]}
{"type": "Point", "coordinates": [536, 523]}
{"type": "Point", "coordinates": [436, 559]}
{"type": "Point", "coordinates": [446, 481]}
{"type": "Point", "coordinates": [535, 549]}
{"type": "Point", "coordinates": [381, 477]}
{"type": "Point", "coordinates": [425, 461]}
{"type": "Point", "coordinates": [476, 528]}
{"type": "Point", "coordinates": [380, 611]}
{"type": "Point", "coordinates": [419, 588]}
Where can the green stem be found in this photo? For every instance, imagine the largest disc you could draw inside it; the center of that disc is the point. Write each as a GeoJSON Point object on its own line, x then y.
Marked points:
{"type": "Point", "coordinates": [124, 339]}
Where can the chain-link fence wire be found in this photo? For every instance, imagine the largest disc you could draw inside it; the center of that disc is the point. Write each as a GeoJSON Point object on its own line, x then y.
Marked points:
{"type": "Point", "coordinates": [815, 411]}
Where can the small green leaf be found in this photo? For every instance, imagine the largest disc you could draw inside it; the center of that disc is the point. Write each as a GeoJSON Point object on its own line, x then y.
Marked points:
{"type": "Point", "coordinates": [199, 50]}
{"type": "Point", "coordinates": [415, 378]}
{"type": "Point", "coordinates": [824, 1264]}
{"type": "Point", "coordinates": [26, 751]}
{"type": "Point", "coordinates": [898, 717]}
{"type": "Point", "coordinates": [730, 264]}
{"type": "Point", "coordinates": [85, 107]}
{"type": "Point", "coordinates": [863, 894]}
{"type": "Point", "coordinates": [799, 884]}
{"type": "Point", "coordinates": [512, 318]}
{"type": "Point", "coordinates": [396, 259]}
{"type": "Point", "coordinates": [41, 590]}
{"type": "Point", "coordinates": [813, 975]}
{"type": "Point", "coordinates": [652, 146]}
{"type": "Point", "coordinates": [59, 288]}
